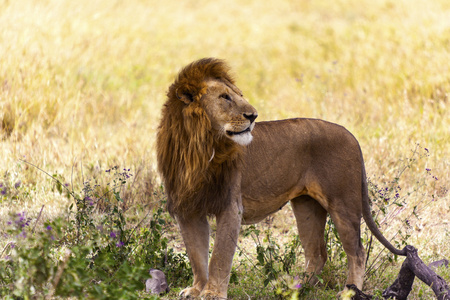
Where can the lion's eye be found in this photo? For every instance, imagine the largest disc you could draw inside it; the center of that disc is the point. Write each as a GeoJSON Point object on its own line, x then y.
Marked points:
{"type": "Point", "coordinates": [226, 97]}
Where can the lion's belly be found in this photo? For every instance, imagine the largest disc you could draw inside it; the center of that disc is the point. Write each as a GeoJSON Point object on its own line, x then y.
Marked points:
{"type": "Point", "coordinates": [257, 209]}
{"type": "Point", "coordinates": [254, 211]}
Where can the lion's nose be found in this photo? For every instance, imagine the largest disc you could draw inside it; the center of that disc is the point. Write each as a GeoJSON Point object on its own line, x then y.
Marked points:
{"type": "Point", "coordinates": [251, 117]}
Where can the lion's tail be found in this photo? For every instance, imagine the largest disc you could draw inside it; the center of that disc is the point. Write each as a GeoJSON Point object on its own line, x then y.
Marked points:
{"type": "Point", "coordinates": [367, 215]}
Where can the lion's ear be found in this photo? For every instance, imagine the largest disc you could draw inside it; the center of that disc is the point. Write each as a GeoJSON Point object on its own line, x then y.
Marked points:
{"type": "Point", "coordinates": [185, 96]}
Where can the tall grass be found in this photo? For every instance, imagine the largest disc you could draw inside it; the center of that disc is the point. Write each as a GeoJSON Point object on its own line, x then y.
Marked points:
{"type": "Point", "coordinates": [82, 84]}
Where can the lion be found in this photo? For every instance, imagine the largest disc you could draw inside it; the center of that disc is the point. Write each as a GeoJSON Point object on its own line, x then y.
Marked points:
{"type": "Point", "coordinates": [215, 160]}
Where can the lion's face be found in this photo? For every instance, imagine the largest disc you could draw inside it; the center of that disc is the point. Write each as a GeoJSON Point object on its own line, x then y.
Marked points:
{"type": "Point", "coordinates": [230, 114]}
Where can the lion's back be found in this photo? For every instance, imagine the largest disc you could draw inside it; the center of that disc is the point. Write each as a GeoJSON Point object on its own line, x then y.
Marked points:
{"type": "Point", "coordinates": [285, 156]}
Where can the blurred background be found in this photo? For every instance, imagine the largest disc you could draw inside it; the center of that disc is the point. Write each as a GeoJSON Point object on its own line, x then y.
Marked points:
{"type": "Point", "coordinates": [82, 84]}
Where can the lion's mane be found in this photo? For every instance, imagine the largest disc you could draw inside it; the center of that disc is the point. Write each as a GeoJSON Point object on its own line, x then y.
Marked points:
{"type": "Point", "coordinates": [186, 142]}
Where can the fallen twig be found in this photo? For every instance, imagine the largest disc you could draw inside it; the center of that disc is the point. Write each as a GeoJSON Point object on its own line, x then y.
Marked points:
{"type": "Point", "coordinates": [412, 267]}
{"type": "Point", "coordinates": [37, 220]}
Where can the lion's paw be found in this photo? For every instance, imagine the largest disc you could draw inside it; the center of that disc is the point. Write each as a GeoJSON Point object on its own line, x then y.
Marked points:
{"type": "Point", "coordinates": [190, 292]}
{"type": "Point", "coordinates": [210, 295]}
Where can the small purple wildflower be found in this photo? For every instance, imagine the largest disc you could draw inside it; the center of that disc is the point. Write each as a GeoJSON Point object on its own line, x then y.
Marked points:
{"type": "Point", "coordinates": [113, 234]}
{"type": "Point", "coordinates": [49, 228]}
{"type": "Point", "coordinates": [21, 220]}
{"type": "Point", "coordinates": [3, 192]}
{"type": "Point", "coordinates": [426, 149]}
{"type": "Point", "coordinates": [298, 285]}
{"type": "Point", "coordinates": [17, 184]}
{"type": "Point", "coordinates": [91, 202]}
{"type": "Point", "coordinates": [1, 185]}
{"type": "Point", "coordinates": [23, 234]}
{"type": "Point", "coordinates": [119, 244]}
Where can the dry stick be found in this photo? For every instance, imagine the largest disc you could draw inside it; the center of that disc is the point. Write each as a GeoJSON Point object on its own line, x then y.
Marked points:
{"type": "Point", "coordinates": [59, 182]}
{"type": "Point", "coordinates": [59, 273]}
{"type": "Point", "coordinates": [424, 273]}
{"type": "Point", "coordinates": [368, 248]}
{"type": "Point", "coordinates": [4, 249]}
{"type": "Point", "coordinates": [40, 213]}
{"type": "Point", "coordinates": [71, 175]}
{"type": "Point", "coordinates": [54, 178]}
{"type": "Point", "coordinates": [402, 285]}
{"type": "Point", "coordinates": [249, 298]}
{"type": "Point", "coordinates": [411, 267]}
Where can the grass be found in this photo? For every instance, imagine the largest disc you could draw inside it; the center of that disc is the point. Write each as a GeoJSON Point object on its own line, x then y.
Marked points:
{"type": "Point", "coordinates": [82, 84]}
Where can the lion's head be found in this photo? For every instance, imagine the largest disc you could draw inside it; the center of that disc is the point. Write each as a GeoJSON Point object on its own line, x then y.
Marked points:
{"type": "Point", "coordinates": [205, 123]}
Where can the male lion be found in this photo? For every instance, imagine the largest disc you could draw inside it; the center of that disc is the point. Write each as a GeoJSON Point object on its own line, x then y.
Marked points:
{"type": "Point", "coordinates": [214, 160]}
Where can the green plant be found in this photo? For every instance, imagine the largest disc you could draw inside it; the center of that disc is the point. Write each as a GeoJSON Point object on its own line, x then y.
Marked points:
{"type": "Point", "coordinates": [91, 252]}
{"type": "Point", "coordinates": [153, 249]}
{"type": "Point", "coordinates": [9, 189]}
{"type": "Point", "coordinates": [29, 263]}
{"type": "Point", "coordinates": [276, 260]}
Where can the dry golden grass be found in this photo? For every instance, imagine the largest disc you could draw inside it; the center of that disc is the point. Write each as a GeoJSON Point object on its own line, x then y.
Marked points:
{"type": "Point", "coordinates": [82, 84]}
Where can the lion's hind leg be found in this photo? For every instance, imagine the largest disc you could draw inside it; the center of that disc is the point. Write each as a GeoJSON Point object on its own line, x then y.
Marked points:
{"type": "Point", "coordinates": [311, 219]}
{"type": "Point", "coordinates": [347, 220]}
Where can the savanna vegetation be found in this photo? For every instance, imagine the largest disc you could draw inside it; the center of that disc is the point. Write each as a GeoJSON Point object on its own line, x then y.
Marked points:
{"type": "Point", "coordinates": [81, 88]}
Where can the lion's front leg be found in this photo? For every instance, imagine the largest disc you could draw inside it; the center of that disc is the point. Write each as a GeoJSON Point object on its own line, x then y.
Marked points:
{"type": "Point", "coordinates": [228, 225]}
{"type": "Point", "coordinates": [195, 233]}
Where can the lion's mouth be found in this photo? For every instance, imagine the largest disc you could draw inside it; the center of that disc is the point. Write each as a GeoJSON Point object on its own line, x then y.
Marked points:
{"type": "Point", "coordinates": [231, 133]}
